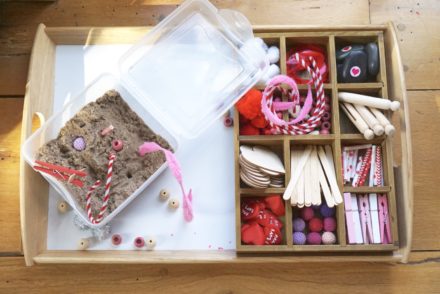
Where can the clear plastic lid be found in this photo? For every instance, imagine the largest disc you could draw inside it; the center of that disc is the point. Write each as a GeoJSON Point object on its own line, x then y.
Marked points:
{"type": "Point", "coordinates": [193, 66]}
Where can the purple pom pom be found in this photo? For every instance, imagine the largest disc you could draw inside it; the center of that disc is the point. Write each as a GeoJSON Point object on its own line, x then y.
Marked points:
{"type": "Point", "coordinates": [329, 224]}
{"type": "Point", "coordinates": [327, 211]}
{"type": "Point", "coordinates": [79, 144]}
{"type": "Point", "coordinates": [298, 224]}
{"type": "Point", "coordinates": [299, 238]}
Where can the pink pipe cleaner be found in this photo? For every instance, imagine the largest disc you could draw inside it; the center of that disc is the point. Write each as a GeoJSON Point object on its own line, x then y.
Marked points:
{"type": "Point", "coordinates": [173, 164]}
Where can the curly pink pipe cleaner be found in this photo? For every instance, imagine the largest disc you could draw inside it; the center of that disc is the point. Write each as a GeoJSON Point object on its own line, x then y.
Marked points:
{"type": "Point", "coordinates": [173, 164]}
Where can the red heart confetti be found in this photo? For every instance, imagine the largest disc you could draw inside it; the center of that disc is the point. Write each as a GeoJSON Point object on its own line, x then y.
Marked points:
{"type": "Point", "coordinates": [250, 210]}
{"type": "Point", "coordinates": [253, 234]}
{"type": "Point", "coordinates": [272, 236]}
{"type": "Point", "coordinates": [267, 218]}
{"type": "Point", "coordinates": [276, 204]}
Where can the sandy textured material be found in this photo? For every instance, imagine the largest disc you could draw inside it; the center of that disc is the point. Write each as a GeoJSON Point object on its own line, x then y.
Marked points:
{"type": "Point", "coordinates": [129, 170]}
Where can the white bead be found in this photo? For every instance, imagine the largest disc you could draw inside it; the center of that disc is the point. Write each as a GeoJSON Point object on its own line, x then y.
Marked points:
{"type": "Point", "coordinates": [273, 54]}
{"type": "Point", "coordinates": [63, 207]}
{"type": "Point", "coordinates": [150, 243]}
{"type": "Point", "coordinates": [164, 194]}
{"type": "Point", "coordinates": [260, 42]}
{"type": "Point", "coordinates": [173, 203]}
{"type": "Point", "coordinates": [83, 244]}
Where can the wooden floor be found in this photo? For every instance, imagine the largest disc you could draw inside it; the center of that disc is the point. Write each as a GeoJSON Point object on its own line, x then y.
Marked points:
{"type": "Point", "coordinates": [418, 28]}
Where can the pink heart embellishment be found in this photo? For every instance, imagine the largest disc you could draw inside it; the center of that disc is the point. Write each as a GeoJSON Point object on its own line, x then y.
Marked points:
{"type": "Point", "coordinates": [355, 71]}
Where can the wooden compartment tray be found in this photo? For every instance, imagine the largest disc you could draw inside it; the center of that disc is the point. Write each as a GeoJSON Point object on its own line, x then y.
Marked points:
{"type": "Point", "coordinates": [390, 83]}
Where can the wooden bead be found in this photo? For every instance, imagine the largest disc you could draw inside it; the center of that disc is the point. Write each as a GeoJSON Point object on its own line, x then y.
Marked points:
{"type": "Point", "coordinates": [173, 203]}
{"type": "Point", "coordinates": [83, 244]}
{"type": "Point", "coordinates": [164, 194]}
{"type": "Point", "coordinates": [151, 243]}
{"type": "Point", "coordinates": [63, 207]}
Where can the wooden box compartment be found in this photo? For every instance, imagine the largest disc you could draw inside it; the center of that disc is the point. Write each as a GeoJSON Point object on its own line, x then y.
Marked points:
{"type": "Point", "coordinates": [389, 83]}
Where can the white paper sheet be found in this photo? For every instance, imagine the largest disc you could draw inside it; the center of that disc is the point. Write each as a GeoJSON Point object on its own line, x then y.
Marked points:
{"type": "Point", "coordinates": [207, 164]}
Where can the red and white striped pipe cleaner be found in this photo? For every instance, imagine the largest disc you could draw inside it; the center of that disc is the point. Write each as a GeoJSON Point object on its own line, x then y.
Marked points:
{"type": "Point", "coordinates": [98, 219]}
{"type": "Point", "coordinates": [314, 120]}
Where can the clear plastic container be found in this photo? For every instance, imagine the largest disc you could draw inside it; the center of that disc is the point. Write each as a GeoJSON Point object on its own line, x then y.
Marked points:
{"type": "Point", "coordinates": [181, 77]}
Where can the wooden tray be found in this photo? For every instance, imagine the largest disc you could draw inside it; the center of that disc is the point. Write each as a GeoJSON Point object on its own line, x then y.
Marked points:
{"type": "Point", "coordinates": [38, 104]}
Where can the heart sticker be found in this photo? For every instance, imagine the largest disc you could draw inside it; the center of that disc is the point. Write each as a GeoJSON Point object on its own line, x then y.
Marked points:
{"type": "Point", "coordinates": [346, 49]}
{"type": "Point", "coordinates": [355, 71]}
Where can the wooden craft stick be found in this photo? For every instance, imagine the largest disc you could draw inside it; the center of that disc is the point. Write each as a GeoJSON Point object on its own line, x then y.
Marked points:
{"type": "Point", "coordinates": [325, 189]}
{"type": "Point", "coordinates": [365, 100]}
{"type": "Point", "coordinates": [357, 120]}
{"type": "Point", "coordinates": [300, 187]}
{"type": "Point", "coordinates": [294, 160]}
{"type": "Point", "coordinates": [316, 191]}
{"type": "Point", "coordinates": [298, 170]}
{"type": "Point", "coordinates": [308, 190]}
{"type": "Point", "coordinates": [389, 128]}
{"type": "Point", "coordinates": [370, 119]}
{"type": "Point", "coordinates": [329, 155]}
{"type": "Point", "coordinates": [331, 178]}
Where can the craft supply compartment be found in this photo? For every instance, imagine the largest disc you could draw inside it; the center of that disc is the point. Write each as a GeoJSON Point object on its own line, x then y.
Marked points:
{"type": "Point", "coordinates": [305, 238]}
{"type": "Point", "coordinates": [397, 181]}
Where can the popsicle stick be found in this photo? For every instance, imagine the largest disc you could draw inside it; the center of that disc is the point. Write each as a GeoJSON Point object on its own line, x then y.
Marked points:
{"type": "Point", "coordinates": [294, 159]}
{"type": "Point", "coordinates": [331, 178]}
{"type": "Point", "coordinates": [316, 191]}
{"type": "Point", "coordinates": [325, 189]}
{"type": "Point", "coordinates": [329, 155]}
{"type": "Point", "coordinates": [296, 173]}
{"type": "Point", "coordinates": [308, 181]}
{"type": "Point", "coordinates": [301, 196]}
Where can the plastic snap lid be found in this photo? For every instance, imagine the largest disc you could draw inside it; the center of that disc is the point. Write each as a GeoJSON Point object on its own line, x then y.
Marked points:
{"type": "Point", "coordinates": [193, 66]}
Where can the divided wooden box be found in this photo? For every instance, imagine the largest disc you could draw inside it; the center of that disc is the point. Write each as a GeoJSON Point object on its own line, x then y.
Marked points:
{"type": "Point", "coordinates": [397, 151]}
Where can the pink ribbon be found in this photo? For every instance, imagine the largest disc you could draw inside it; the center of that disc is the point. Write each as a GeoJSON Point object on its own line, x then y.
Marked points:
{"type": "Point", "coordinates": [173, 164]}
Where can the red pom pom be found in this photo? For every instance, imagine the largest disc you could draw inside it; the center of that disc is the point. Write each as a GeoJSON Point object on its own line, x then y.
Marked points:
{"type": "Point", "coordinates": [315, 225]}
{"type": "Point", "coordinates": [259, 122]}
{"type": "Point", "coordinates": [250, 104]}
{"type": "Point", "coordinates": [249, 130]}
{"type": "Point", "coordinates": [242, 119]}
